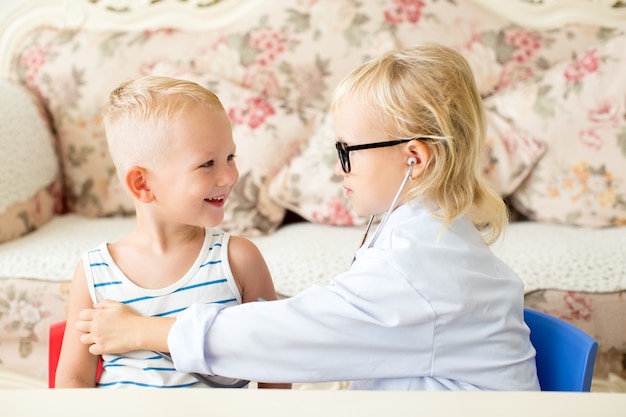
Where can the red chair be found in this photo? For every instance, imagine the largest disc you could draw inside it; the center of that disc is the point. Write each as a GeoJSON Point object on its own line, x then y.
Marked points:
{"type": "Point", "coordinates": [55, 340]}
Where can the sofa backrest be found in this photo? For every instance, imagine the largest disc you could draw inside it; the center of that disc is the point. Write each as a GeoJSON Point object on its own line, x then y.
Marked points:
{"type": "Point", "coordinates": [273, 64]}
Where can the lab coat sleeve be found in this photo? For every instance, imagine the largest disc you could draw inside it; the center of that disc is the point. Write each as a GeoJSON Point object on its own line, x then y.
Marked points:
{"type": "Point", "coordinates": [370, 323]}
{"type": "Point", "coordinates": [186, 338]}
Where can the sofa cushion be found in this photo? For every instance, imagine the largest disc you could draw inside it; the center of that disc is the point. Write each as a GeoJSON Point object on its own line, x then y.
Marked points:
{"type": "Point", "coordinates": [510, 154]}
{"type": "Point", "coordinates": [500, 53]}
{"type": "Point", "coordinates": [74, 72]}
{"type": "Point", "coordinates": [29, 169]}
{"type": "Point", "coordinates": [266, 130]}
{"type": "Point", "coordinates": [577, 108]}
{"type": "Point", "coordinates": [308, 185]}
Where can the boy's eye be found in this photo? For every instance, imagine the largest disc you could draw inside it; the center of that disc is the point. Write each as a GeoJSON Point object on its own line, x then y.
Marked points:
{"type": "Point", "coordinates": [211, 163]}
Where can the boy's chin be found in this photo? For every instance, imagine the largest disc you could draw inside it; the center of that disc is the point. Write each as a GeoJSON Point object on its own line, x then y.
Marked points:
{"type": "Point", "coordinates": [213, 222]}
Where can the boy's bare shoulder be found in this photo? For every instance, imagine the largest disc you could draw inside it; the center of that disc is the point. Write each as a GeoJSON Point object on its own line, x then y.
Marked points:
{"type": "Point", "coordinates": [250, 270]}
{"type": "Point", "coordinates": [242, 249]}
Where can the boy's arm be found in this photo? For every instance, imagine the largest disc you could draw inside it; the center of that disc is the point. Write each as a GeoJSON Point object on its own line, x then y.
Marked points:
{"type": "Point", "coordinates": [253, 278]}
{"type": "Point", "coordinates": [77, 367]}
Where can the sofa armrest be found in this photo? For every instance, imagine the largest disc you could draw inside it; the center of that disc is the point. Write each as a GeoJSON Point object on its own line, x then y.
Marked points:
{"type": "Point", "coordinates": [29, 167]}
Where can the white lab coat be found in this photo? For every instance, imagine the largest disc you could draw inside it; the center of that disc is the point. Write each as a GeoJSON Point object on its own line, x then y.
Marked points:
{"type": "Point", "coordinates": [427, 308]}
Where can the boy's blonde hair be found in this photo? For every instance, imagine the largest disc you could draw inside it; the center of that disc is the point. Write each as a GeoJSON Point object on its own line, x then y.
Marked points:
{"type": "Point", "coordinates": [429, 91]}
{"type": "Point", "coordinates": [139, 113]}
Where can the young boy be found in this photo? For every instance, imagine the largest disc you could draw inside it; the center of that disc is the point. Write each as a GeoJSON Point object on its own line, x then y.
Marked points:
{"type": "Point", "coordinates": [172, 146]}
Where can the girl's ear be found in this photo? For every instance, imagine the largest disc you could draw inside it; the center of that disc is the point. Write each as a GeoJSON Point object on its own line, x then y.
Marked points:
{"type": "Point", "coordinates": [418, 150]}
{"type": "Point", "coordinates": [137, 183]}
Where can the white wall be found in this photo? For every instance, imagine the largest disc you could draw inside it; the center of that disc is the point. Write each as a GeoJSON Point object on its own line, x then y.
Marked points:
{"type": "Point", "coordinates": [7, 5]}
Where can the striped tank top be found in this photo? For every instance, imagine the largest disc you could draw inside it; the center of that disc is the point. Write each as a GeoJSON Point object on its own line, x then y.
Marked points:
{"type": "Point", "coordinates": [209, 280]}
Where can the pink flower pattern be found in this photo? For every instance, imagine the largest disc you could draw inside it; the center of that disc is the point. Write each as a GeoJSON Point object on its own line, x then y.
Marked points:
{"type": "Point", "coordinates": [404, 11]}
{"type": "Point", "coordinates": [254, 111]}
{"type": "Point", "coordinates": [270, 44]}
{"type": "Point", "coordinates": [33, 59]}
{"type": "Point", "coordinates": [336, 212]}
{"type": "Point", "coordinates": [608, 111]}
{"type": "Point", "coordinates": [577, 307]}
{"type": "Point", "coordinates": [591, 138]}
{"type": "Point", "coordinates": [526, 43]}
{"type": "Point", "coordinates": [586, 65]}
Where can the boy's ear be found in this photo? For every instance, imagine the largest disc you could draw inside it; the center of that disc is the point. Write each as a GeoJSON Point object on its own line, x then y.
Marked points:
{"type": "Point", "coordinates": [137, 183]}
{"type": "Point", "coordinates": [418, 150]}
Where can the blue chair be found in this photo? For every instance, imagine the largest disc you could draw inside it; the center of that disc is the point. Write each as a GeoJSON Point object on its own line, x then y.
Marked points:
{"type": "Point", "coordinates": [565, 354]}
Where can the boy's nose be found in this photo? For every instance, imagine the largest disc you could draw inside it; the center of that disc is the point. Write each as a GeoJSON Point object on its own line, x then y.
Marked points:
{"type": "Point", "coordinates": [229, 175]}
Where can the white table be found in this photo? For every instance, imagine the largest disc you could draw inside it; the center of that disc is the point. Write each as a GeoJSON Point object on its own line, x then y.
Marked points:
{"type": "Point", "coordinates": [316, 403]}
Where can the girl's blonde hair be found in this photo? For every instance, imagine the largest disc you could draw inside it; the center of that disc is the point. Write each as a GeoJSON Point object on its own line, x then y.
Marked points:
{"type": "Point", "coordinates": [429, 91]}
{"type": "Point", "coordinates": [138, 115]}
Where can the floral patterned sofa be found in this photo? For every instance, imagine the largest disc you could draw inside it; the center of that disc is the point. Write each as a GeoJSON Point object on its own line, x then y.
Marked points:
{"type": "Point", "coordinates": [549, 72]}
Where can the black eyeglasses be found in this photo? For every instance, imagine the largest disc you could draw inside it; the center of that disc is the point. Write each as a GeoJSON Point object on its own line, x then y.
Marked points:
{"type": "Point", "coordinates": [343, 150]}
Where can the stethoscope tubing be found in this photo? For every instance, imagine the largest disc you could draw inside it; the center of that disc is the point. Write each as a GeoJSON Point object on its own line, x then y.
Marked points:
{"type": "Point", "coordinates": [391, 209]}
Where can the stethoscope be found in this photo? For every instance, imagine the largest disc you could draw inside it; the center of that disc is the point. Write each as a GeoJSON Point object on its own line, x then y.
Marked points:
{"type": "Point", "coordinates": [411, 162]}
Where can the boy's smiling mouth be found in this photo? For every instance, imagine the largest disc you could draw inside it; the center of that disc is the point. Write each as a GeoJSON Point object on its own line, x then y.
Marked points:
{"type": "Point", "coordinates": [216, 201]}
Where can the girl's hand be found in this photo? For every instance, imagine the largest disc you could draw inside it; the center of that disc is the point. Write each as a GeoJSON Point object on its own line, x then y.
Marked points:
{"type": "Point", "coordinates": [109, 327]}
